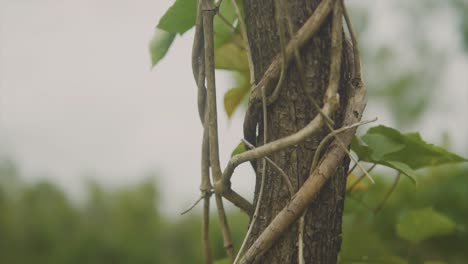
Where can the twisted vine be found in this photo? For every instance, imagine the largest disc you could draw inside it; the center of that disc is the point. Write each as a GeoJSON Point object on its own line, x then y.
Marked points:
{"type": "Point", "coordinates": [263, 94]}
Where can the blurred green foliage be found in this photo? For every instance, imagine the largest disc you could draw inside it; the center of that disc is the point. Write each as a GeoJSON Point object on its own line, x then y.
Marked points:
{"type": "Point", "coordinates": [40, 224]}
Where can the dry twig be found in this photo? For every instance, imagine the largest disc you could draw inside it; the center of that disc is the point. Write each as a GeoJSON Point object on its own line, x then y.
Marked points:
{"type": "Point", "coordinates": [387, 195]}
{"type": "Point", "coordinates": [283, 174]}
{"type": "Point", "coordinates": [243, 30]}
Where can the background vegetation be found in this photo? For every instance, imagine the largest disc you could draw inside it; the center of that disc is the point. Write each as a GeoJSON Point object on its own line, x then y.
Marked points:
{"type": "Point", "coordinates": [40, 224]}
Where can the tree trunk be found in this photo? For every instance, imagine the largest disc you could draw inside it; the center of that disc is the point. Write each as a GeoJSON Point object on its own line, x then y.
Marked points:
{"type": "Point", "coordinates": [291, 112]}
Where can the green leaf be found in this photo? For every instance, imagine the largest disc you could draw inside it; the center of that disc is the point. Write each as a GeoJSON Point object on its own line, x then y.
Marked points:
{"type": "Point", "coordinates": [233, 98]}
{"type": "Point", "coordinates": [421, 224]}
{"type": "Point", "coordinates": [223, 30]}
{"type": "Point", "coordinates": [180, 17]}
{"type": "Point", "coordinates": [364, 152]}
{"type": "Point", "coordinates": [403, 168]}
{"type": "Point", "coordinates": [434, 262]}
{"type": "Point", "coordinates": [402, 152]}
{"type": "Point", "coordinates": [231, 57]}
{"type": "Point", "coordinates": [159, 45]}
{"type": "Point", "coordinates": [238, 150]}
{"type": "Point", "coordinates": [381, 145]}
{"type": "Point", "coordinates": [417, 153]}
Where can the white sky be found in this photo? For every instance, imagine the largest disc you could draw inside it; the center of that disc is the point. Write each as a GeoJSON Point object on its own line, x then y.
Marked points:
{"type": "Point", "coordinates": [78, 97]}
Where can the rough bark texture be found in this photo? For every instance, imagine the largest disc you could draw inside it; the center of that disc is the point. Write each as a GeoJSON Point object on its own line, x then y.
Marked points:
{"type": "Point", "coordinates": [291, 112]}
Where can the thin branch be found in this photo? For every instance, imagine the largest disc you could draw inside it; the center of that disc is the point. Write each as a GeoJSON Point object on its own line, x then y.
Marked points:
{"type": "Point", "coordinates": [357, 56]}
{"type": "Point", "coordinates": [300, 68]}
{"type": "Point", "coordinates": [300, 242]}
{"type": "Point", "coordinates": [218, 3]}
{"type": "Point", "coordinates": [226, 21]}
{"type": "Point", "coordinates": [193, 205]}
{"type": "Point", "coordinates": [333, 134]}
{"type": "Point", "coordinates": [279, 11]}
{"type": "Point", "coordinates": [198, 68]}
{"type": "Point", "coordinates": [198, 63]}
{"type": "Point", "coordinates": [350, 189]}
{"type": "Point", "coordinates": [205, 188]}
{"type": "Point", "coordinates": [205, 185]}
{"type": "Point", "coordinates": [302, 36]}
{"type": "Point", "coordinates": [209, 12]}
{"type": "Point", "coordinates": [206, 230]}
{"type": "Point", "coordinates": [278, 168]}
{"type": "Point", "coordinates": [228, 246]}
{"type": "Point", "coordinates": [345, 149]}
{"type": "Point", "coordinates": [262, 181]}
{"type": "Point", "coordinates": [243, 30]}
{"type": "Point", "coordinates": [352, 169]}
{"type": "Point", "coordinates": [235, 199]}
{"type": "Point", "coordinates": [331, 94]}
{"type": "Point", "coordinates": [387, 195]}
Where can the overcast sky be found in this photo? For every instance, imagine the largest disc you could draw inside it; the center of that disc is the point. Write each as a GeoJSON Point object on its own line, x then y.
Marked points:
{"type": "Point", "coordinates": [78, 98]}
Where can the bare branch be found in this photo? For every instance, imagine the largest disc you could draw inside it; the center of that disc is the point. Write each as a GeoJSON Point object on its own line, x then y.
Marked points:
{"type": "Point", "coordinates": [333, 134]}
{"type": "Point", "coordinates": [193, 205]}
{"type": "Point", "coordinates": [387, 195]}
{"type": "Point", "coordinates": [278, 168]}
{"type": "Point", "coordinates": [330, 95]}
{"type": "Point", "coordinates": [243, 29]}
{"type": "Point", "coordinates": [206, 230]}
{"type": "Point", "coordinates": [262, 181]}
{"type": "Point", "coordinates": [208, 12]}
{"type": "Point", "coordinates": [226, 21]}
{"type": "Point", "coordinates": [302, 36]}
{"type": "Point", "coordinates": [357, 56]}
{"type": "Point", "coordinates": [350, 189]}
{"type": "Point", "coordinates": [300, 242]}
{"type": "Point", "coordinates": [198, 63]}
{"type": "Point", "coordinates": [279, 11]}
{"type": "Point", "coordinates": [228, 246]}
{"type": "Point", "coordinates": [237, 200]}
{"type": "Point", "coordinates": [352, 168]}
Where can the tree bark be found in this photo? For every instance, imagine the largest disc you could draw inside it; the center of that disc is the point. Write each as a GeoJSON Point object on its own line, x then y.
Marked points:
{"type": "Point", "coordinates": [291, 112]}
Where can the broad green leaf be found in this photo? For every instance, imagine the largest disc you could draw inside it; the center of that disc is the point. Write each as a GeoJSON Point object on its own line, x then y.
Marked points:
{"type": "Point", "coordinates": [381, 145]}
{"type": "Point", "coordinates": [238, 150]}
{"type": "Point", "coordinates": [159, 45]}
{"type": "Point", "coordinates": [231, 57]}
{"type": "Point", "coordinates": [233, 98]}
{"type": "Point", "coordinates": [403, 168]}
{"type": "Point", "coordinates": [434, 262]}
{"type": "Point", "coordinates": [223, 29]}
{"type": "Point", "coordinates": [364, 152]}
{"type": "Point", "coordinates": [180, 17]}
{"type": "Point", "coordinates": [421, 224]}
{"type": "Point", "coordinates": [417, 153]}
{"type": "Point", "coordinates": [402, 152]}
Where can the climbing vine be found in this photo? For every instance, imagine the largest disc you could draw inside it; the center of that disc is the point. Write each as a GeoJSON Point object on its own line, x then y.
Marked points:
{"type": "Point", "coordinates": [220, 42]}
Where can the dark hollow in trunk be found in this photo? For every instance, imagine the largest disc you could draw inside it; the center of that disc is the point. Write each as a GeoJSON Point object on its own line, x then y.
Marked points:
{"type": "Point", "coordinates": [291, 112]}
